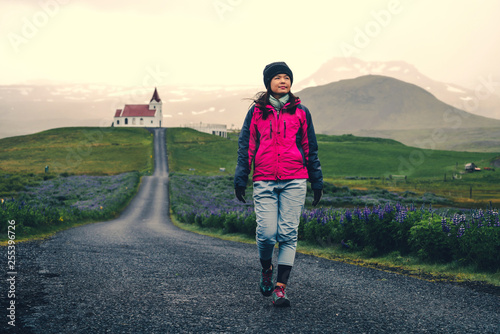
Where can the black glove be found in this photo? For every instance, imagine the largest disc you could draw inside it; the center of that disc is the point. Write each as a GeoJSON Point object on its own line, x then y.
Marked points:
{"type": "Point", "coordinates": [240, 194]}
{"type": "Point", "coordinates": [317, 196]}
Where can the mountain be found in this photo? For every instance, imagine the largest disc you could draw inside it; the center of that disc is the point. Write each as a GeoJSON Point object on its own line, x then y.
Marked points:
{"type": "Point", "coordinates": [382, 103]}
{"type": "Point", "coordinates": [483, 100]}
{"type": "Point", "coordinates": [382, 106]}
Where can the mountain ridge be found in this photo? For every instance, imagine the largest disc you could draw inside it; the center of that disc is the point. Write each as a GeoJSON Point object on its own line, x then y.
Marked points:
{"type": "Point", "coordinates": [484, 100]}
{"type": "Point", "coordinates": [380, 106]}
{"type": "Point", "coordinates": [383, 103]}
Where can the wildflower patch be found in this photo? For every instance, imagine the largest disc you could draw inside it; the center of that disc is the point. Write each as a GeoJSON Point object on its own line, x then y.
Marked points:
{"type": "Point", "coordinates": [469, 237]}
{"type": "Point", "coordinates": [68, 200]}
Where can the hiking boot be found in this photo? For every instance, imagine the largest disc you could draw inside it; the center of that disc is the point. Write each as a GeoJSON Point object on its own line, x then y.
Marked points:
{"type": "Point", "coordinates": [266, 282]}
{"type": "Point", "coordinates": [279, 297]}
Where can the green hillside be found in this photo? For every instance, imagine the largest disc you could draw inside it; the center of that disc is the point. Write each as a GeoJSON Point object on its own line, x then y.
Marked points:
{"type": "Point", "coordinates": [190, 151]}
{"type": "Point", "coordinates": [79, 150]}
{"type": "Point", "coordinates": [99, 151]}
{"type": "Point", "coordinates": [372, 157]}
{"type": "Point", "coordinates": [459, 139]}
{"type": "Point", "coordinates": [340, 156]}
{"type": "Point", "coordinates": [357, 162]}
{"type": "Point", "coordinates": [360, 162]}
{"type": "Point", "coordinates": [92, 175]}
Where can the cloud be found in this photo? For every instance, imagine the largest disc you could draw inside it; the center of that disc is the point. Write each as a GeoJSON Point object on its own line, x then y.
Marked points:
{"type": "Point", "coordinates": [203, 111]}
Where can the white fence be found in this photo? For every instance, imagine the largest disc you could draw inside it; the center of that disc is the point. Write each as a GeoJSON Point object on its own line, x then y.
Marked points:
{"type": "Point", "coordinates": [213, 129]}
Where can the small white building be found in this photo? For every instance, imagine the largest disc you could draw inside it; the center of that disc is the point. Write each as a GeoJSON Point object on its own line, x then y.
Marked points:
{"type": "Point", "coordinates": [213, 129]}
{"type": "Point", "coordinates": [140, 115]}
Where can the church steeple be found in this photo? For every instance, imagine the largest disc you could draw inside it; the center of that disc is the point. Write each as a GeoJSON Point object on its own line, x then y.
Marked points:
{"type": "Point", "coordinates": [156, 104]}
{"type": "Point", "coordinates": [155, 97]}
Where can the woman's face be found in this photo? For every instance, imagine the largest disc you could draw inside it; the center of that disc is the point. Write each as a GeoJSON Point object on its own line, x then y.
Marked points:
{"type": "Point", "coordinates": [280, 85]}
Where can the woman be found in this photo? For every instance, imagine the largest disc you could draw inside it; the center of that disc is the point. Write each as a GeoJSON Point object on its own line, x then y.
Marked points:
{"type": "Point", "coordinates": [278, 138]}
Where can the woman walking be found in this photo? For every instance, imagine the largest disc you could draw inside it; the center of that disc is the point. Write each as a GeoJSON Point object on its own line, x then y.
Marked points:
{"type": "Point", "coordinates": [278, 139]}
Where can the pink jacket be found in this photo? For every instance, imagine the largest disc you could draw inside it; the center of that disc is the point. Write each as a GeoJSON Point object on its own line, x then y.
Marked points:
{"type": "Point", "coordinates": [281, 147]}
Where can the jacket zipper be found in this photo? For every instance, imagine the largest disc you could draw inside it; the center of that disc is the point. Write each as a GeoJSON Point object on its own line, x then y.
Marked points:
{"type": "Point", "coordinates": [271, 128]}
{"type": "Point", "coordinates": [284, 128]}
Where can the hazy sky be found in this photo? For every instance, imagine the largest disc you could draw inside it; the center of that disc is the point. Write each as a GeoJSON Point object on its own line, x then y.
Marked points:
{"type": "Point", "coordinates": [206, 42]}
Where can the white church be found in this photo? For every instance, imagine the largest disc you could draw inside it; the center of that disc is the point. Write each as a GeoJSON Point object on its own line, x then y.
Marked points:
{"type": "Point", "coordinates": [140, 115]}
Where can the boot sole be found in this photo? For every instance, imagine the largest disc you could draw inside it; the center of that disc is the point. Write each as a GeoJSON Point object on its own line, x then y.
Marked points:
{"type": "Point", "coordinates": [282, 302]}
{"type": "Point", "coordinates": [266, 294]}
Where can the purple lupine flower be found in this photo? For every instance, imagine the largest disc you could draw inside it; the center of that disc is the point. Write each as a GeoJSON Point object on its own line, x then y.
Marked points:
{"type": "Point", "coordinates": [479, 220]}
{"type": "Point", "coordinates": [496, 219]}
{"type": "Point", "coordinates": [401, 216]}
{"type": "Point", "coordinates": [357, 213]}
{"type": "Point", "coordinates": [366, 214]}
{"type": "Point", "coordinates": [444, 225]}
{"type": "Point", "coordinates": [412, 207]}
{"type": "Point", "coordinates": [348, 215]}
{"type": "Point", "coordinates": [387, 208]}
{"type": "Point", "coordinates": [461, 231]}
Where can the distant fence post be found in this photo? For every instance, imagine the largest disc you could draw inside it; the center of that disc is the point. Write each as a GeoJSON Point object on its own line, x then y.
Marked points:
{"type": "Point", "coordinates": [398, 177]}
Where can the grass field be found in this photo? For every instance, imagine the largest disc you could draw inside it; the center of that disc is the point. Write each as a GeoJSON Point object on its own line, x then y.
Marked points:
{"type": "Point", "coordinates": [193, 152]}
{"type": "Point", "coordinates": [79, 150]}
{"type": "Point", "coordinates": [474, 140]}
{"type": "Point", "coordinates": [72, 151]}
{"type": "Point", "coordinates": [357, 162]}
{"type": "Point", "coordinates": [45, 202]}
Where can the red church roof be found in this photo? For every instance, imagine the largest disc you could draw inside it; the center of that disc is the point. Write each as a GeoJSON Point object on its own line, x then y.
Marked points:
{"type": "Point", "coordinates": [138, 110]}
{"type": "Point", "coordinates": [135, 110]}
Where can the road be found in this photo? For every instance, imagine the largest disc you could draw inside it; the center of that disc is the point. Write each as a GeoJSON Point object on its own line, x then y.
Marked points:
{"type": "Point", "coordinates": [141, 274]}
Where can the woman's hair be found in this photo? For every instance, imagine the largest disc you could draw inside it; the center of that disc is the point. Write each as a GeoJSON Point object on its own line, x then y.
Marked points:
{"type": "Point", "coordinates": [261, 100]}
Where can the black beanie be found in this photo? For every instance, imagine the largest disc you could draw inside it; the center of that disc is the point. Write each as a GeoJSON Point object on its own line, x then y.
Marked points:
{"type": "Point", "coordinates": [273, 69]}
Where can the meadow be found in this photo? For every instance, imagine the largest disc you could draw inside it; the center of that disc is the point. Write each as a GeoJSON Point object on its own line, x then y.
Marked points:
{"type": "Point", "coordinates": [67, 201]}
{"type": "Point", "coordinates": [197, 153]}
{"type": "Point", "coordinates": [78, 150]}
{"type": "Point", "coordinates": [466, 237]}
{"type": "Point", "coordinates": [362, 164]}
{"type": "Point", "coordinates": [380, 200]}
{"type": "Point", "coordinates": [369, 211]}
{"type": "Point", "coordinates": [92, 174]}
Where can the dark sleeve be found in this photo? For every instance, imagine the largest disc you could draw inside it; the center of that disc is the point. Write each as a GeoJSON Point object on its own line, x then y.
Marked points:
{"type": "Point", "coordinates": [242, 165]}
{"type": "Point", "coordinates": [313, 164]}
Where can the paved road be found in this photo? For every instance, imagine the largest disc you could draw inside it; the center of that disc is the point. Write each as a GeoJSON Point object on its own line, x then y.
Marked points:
{"type": "Point", "coordinates": [141, 274]}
